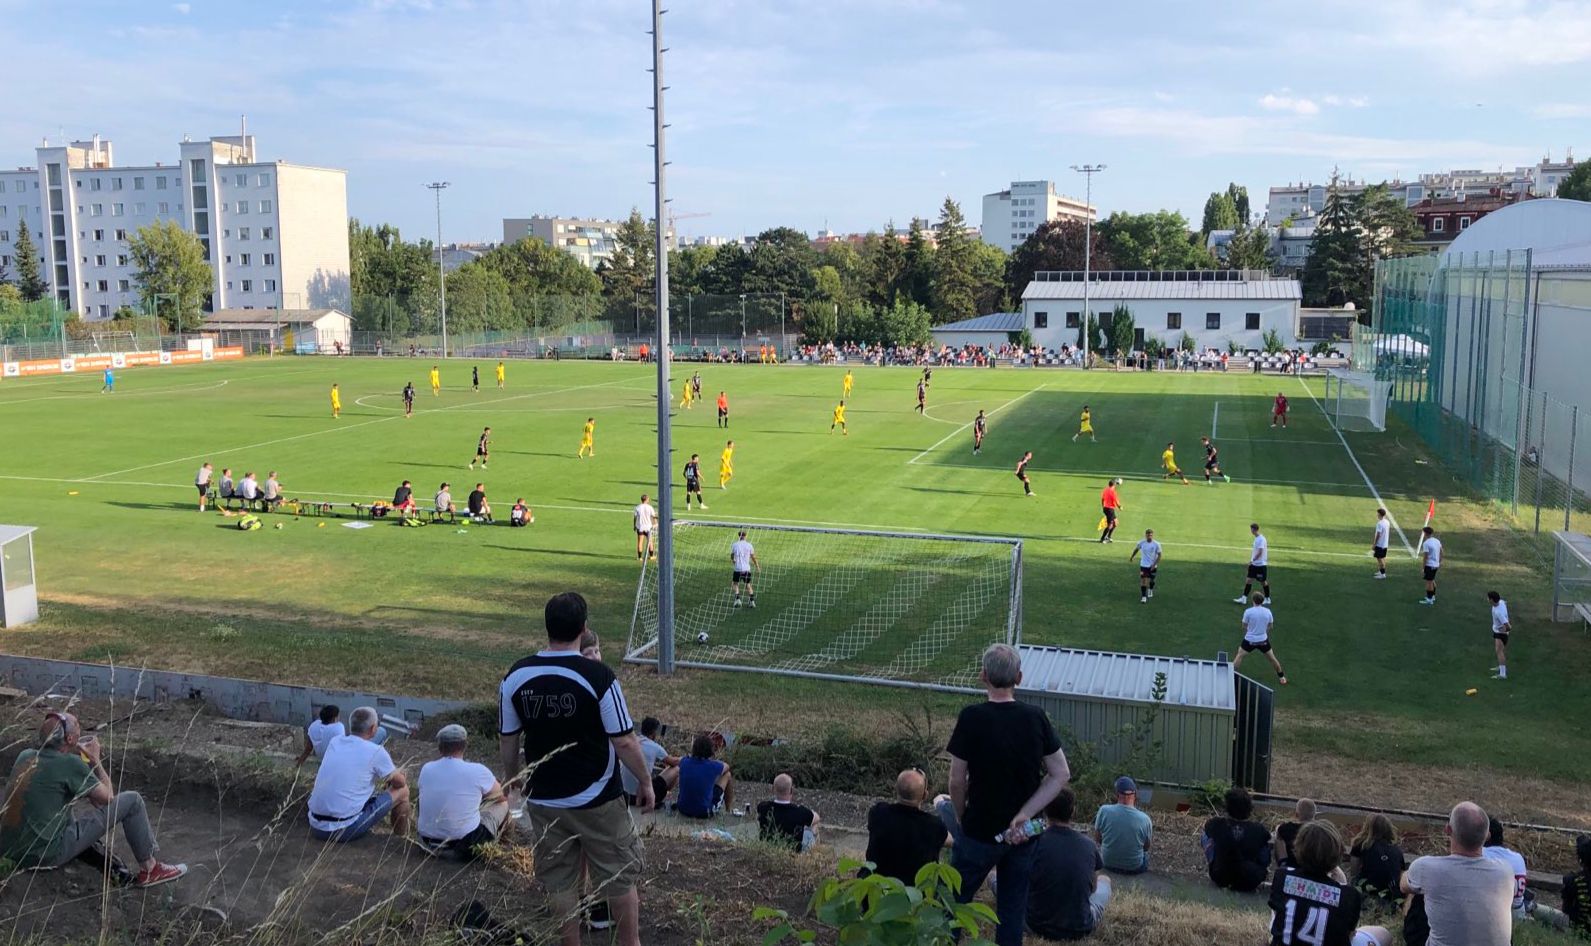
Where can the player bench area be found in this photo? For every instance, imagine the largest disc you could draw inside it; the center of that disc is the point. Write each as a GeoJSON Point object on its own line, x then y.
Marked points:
{"type": "Point", "coordinates": [315, 508]}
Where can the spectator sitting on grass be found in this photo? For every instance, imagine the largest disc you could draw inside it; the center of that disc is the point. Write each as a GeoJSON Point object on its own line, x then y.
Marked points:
{"type": "Point", "coordinates": [325, 727]}
{"type": "Point", "coordinates": [901, 837]}
{"type": "Point", "coordinates": [462, 806]}
{"type": "Point", "coordinates": [663, 767]}
{"type": "Point", "coordinates": [1124, 831]}
{"type": "Point", "coordinates": [357, 785]}
{"type": "Point", "coordinates": [705, 784]}
{"type": "Point", "coordinates": [478, 506]}
{"type": "Point", "coordinates": [1303, 813]}
{"type": "Point", "coordinates": [590, 645]}
{"type": "Point", "coordinates": [37, 825]}
{"type": "Point", "coordinates": [780, 820]}
{"type": "Point", "coordinates": [1237, 849]}
{"type": "Point", "coordinates": [1310, 899]}
{"type": "Point", "coordinates": [520, 515]}
{"type": "Point", "coordinates": [1577, 889]}
{"type": "Point", "coordinates": [1525, 905]}
{"type": "Point", "coordinates": [1468, 896]}
{"type": "Point", "coordinates": [1377, 860]}
{"type": "Point", "coordinates": [1068, 894]}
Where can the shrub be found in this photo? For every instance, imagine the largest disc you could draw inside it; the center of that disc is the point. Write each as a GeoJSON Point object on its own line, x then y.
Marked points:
{"type": "Point", "coordinates": [1186, 344]}
{"type": "Point", "coordinates": [1320, 348]}
{"type": "Point", "coordinates": [882, 910]}
{"type": "Point", "coordinates": [1272, 341]}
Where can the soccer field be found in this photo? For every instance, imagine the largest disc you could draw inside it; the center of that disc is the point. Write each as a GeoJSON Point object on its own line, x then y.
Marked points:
{"type": "Point", "coordinates": [126, 563]}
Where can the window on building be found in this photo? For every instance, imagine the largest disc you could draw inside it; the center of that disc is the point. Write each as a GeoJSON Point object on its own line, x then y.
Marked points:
{"type": "Point", "coordinates": [115, 183]}
{"type": "Point", "coordinates": [265, 206]}
{"type": "Point", "coordinates": [1212, 320]}
{"type": "Point", "coordinates": [1173, 320]}
{"type": "Point", "coordinates": [99, 234]}
{"type": "Point", "coordinates": [139, 209]}
{"type": "Point", "coordinates": [1251, 321]}
{"type": "Point", "coordinates": [243, 206]}
{"type": "Point", "coordinates": [93, 184]}
{"type": "Point", "coordinates": [265, 180]}
{"type": "Point", "coordinates": [124, 285]}
{"type": "Point", "coordinates": [121, 234]}
{"type": "Point", "coordinates": [1074, 319]}
{"type": "Point", "coordinates": [244, 259]}
{"type": "Point", "coordinates": [122, 259]}
{"type": "Point", "coordinates": [17, 187]}
{"type": "Point", "coordinates": [270, 285]}
{"type": "Point", "coordinates": [98, 210]}
{"type": "Point", "coordinates": [243, 233]}
{"type": "Point", "coordinates": [5, 261]}
{"type": "Point", "coordinates": [1438, 224]}
{"type": "Point", "coordinates": [165, 208]}
{"type": "Point", "coordinates": [104, 311]}
{"type": "Point", "coordinates": [99, 260]}
{"type": "Point", "coordinates": [1041, 320]}
{"type": "Point", "coordinates": [116, 210]}
{"type": "Point", "coordinates": [138, 183]}
{"type": "Point", "coordinates": [1463, 223]}
{"type": "Point", "coordinates": [243, 180]}
{"type": "Point", "coordinates": [104, 285]}
{"type": "Point", "coordinates": [270, 259]}
{"type": "Point", "coordinates": [160, 183]}
{"type": "Point", "coordinates": [267, 233]}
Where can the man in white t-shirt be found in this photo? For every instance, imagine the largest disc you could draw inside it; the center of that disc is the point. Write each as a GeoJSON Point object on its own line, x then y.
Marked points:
{"type": "Point", "coordinates": [663, 768]}
{"type": "Point", "coordinates": [443, 501]}
{"type": "Point", "coordinates": [1258, 567]}
{"type": "Point", "coordinates": [1382, 539]}
{"type": "Point", "coordinates": [645, 524]}
{"type": "Point", "coordinates": [1148, 554]}
{"type": "Point", "coordinates": [462, 805]}
{"type": "Point", "coordinates": [357, 785]}
{"type": "Point", "coordinates": [1468, 897]}
{"type": "Point", "coordinates": [201, 482]}
{"type": "Point", "coordinates": [1257, 623]}
{"type": "Point", "coordinates": [1501, 628]}
{"type": "Point", "coordinates": [742, 559]}
{"type": "Point", "coordinates": [1431, 560]}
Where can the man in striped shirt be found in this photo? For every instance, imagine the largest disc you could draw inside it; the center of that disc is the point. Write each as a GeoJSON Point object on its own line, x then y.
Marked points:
{"type": "Point", "coordinates": [568, 714]}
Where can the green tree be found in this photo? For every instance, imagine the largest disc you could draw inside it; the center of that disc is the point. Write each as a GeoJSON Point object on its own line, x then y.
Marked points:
{"type": "Point", "coordinates": [172, 275]}
{"type": "Point", "coordinates": [1250, 248]}
{"type": "Point", "coordinates": [1220, 213]}
{"type": "Point", "coordinates": [688, 267]}
{"type": "Point", "coordinates": [1577, 186]}
{"type": "Point", "coordinates": [917, 273]}
{"type": "Point", "coordinates": [1057, 245]}
{"type": "Point", "coordinates": [1122, 327]}
{"type": "Point", "coordinates": [781, 260]}
{"type": "Point", "coordinates": [1159, 240]}
{"type": "Point", "coordinates": [10, 299]}
{"type": "Point", "coordinates": [629, 272]}
{"type": "Point", "coordinates": [29, 280]}
{"type": "Point", "coordinates": [1336, 271]}
{"type": "Point", "coordinates": [725, 273]}
{"type": "Point", "coordinates": [1239, 195]}
{"type": "Point", "coordinates": [479, 298]}
{"type": "Point", "coordinates": [883, 259]}
{"type": "Point", "coordinates": [988, 277]}
{"type": "Point", "coordinates": [905, 323]}
{"type": "Point", "coordinates": [393, 282]}
{"type": "Point", "coordinates": [955, 286]}
{"type": "Point", "coordinates": [531, 267]}
{"type": "Point", "coordinates": [844, 259]}
{"type": "Point", "coordinates": [1386, 224]}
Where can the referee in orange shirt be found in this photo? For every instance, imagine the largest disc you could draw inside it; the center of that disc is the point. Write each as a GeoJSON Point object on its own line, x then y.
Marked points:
{"type": "Point", "coordinates": [1111, 504]}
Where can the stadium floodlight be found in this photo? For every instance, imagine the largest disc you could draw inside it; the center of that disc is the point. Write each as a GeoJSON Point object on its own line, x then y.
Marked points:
{"type": "Point", "coordinates": [1088, 171]}
{"type": "Point", "coordinates": [437, 187]}
{"type": "Point", "coordinates": [894, 608]}
{"type": "Point", "coordinates": [664, 590]}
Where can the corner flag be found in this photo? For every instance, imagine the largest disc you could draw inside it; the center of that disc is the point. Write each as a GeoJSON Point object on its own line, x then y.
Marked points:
{"type": "Point", "coordinates": [1430, 512]}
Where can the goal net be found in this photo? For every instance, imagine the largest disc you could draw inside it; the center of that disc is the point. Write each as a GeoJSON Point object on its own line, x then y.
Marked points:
{"type": "Point", "coordinates": [883, 607]}
{"type": "Point", "coordinates": [1355, 400]}
{"type": "Point", "coordinates": [115, 341]}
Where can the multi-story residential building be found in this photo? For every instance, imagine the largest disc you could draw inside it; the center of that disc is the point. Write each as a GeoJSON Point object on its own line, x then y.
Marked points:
{"type": "Point", "coordinates": [1010, 216]}
{"type": "Point", "coordinates": [1289, 245]}
{"type": "Point", "coordinates": [1443, 219]}
{"type": "Point", "coordinates": [590, 239]}
{"type": "Point", "coordinates": [1295, 202]}
{"type": "Point", "coordinates": [275, 234]}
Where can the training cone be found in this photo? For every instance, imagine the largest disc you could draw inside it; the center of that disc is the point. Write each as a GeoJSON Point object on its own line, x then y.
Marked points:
{"type": "Point", "coordinates": [1471, 691]}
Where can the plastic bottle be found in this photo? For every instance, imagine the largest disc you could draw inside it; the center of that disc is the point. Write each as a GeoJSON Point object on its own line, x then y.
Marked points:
{"type": "Point", "coordinates": [1029, 829]}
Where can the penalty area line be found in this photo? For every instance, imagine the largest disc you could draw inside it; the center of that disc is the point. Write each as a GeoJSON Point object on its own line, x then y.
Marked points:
{"type": "Point", "coordinates": [943, 440]}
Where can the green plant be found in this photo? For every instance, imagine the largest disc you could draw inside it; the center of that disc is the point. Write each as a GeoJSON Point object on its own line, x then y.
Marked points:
{"type": "Point", "coordinates": [1186, 344]}
{"type": "Point", "coordinates": [1023, 340]}
{"type": "Point", "coordinates": [1154, 347]}
{"type": "Point", "coordinates": [881, 911]}
{"type": "Point", "coordinates": [1320, 348]}
{"type": "Point", "coordinates": [1272, 341]}
{"type": "Point", "coordinates": [1121, 330]}
{"type": "Point", "coordinates": [1232, 347]}
{"type": "Point", "coordinates": [1210, 795]}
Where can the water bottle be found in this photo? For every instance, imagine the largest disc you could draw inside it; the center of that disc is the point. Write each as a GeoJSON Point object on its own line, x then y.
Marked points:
{"type": "Point", "coordinates": [1029, 829]}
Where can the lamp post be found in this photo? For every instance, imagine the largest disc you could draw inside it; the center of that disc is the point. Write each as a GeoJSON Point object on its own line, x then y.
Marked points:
{"type": "Point", "coordinates": [437, 187]}
{"type": "Point", "coordinates": [665, 459]}
{"type": "Point", "coordinates": [1088, 171]}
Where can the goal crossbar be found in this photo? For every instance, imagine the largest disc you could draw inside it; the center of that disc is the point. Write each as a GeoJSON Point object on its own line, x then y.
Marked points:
{"type": "Point", "coordinates": [895, 608]}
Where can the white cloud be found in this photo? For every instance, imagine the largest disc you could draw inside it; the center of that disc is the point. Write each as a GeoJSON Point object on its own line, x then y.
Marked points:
{"type": "Point", "coordinates": [1297, 105]}
{"type": "Point", "coordinates": [183, 8]}
{"type": "Point", "coordinates": [1477, 36]}
{"type": "Point", "coordinates": [1557, 110]}
{"type": "Point", "coordinates": [1348, 101]}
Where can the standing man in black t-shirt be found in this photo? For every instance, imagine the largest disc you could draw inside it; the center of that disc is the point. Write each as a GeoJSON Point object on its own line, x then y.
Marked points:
{"type": "Point", "coordinates": [576, 731]}
{"type": "Point", "coordinates": [1006, 764]}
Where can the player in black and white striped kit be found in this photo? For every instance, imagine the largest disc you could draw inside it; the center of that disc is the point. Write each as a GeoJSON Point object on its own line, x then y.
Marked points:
{"type": "Point", "coordinates": [1149, 554]}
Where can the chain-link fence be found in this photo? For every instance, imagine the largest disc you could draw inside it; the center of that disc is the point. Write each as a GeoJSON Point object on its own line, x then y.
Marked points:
{"type": "Point", "coordinates": [1460, 338]}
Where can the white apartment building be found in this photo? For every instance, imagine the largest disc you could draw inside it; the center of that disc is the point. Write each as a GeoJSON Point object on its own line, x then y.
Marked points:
{"type": "Point", "coordinates": [1010, 216]}
{"type": "Point", "coordinates": [590, 239]}
{"type": "Point", "coordinates": [1301, 200]}
{"type": "Point", "coordinates": [276, 234]}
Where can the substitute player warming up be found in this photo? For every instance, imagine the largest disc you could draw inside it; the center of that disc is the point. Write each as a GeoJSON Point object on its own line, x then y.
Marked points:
{"type": "Point", "coordinates": [742, 558]}
{"type": "Point", "coordinates": [1501, 628]}
{"type": "Point", "coordinates": [1431, 560]}
{"type": "Point", "coordinates": [1257, 623]}
{"type": "Point", "coordinates": [1258, 566]}
{"type": "Point", "coordinates": [1148, 554]}
{"type": "Point", "coordinates": [1022, 473]}
{"type": "Point", "coordinates": [1379, 543]}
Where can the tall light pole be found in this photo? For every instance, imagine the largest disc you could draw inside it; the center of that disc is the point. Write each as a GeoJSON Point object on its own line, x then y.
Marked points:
{"type": "Point", "coordinates": [1088, 171]}
{"type": "Point", "coordinates": [441, 271]}
{"type": "Point", "coordinates": [665, 459]}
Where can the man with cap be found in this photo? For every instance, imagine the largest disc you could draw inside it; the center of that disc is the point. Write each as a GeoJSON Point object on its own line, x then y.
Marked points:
{"type": "Point", "coordinates": [1124, 831]}
{"type": "Point", "coordinates": [462, 805]}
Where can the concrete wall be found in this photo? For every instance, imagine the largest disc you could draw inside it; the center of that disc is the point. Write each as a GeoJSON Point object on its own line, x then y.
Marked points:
{"type": "Point", "coordinates": [313, 238]}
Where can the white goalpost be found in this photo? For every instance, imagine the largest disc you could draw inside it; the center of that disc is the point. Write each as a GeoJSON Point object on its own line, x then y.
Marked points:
{"type": "Point", "coordinates": [115, 341]}
{"type": "Point", "coordinates": [894, 608]}
{"type": "Point", "coordinates": [1355, 400]}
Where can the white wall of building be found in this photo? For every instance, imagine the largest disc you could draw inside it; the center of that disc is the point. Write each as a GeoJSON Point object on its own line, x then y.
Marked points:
{"type": "Point", "coordinates": [1157, 316]}
{"type": "Point", "coordinates": [956, 339]}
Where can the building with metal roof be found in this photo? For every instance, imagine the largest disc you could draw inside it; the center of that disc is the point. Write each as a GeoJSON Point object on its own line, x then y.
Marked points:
{"type": "Point", "coordinates": [994, 329]}
{"type": "Point", "coordinates": [303, 330]}
{"type": "Point", "coordinates": [1210, 723]}
{"type": "Point", "coordinates": [1210, 308]}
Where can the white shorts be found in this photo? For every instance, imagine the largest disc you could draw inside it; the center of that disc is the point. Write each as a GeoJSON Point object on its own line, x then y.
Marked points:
{"type": "Point", "coordinates": [1371, 936]}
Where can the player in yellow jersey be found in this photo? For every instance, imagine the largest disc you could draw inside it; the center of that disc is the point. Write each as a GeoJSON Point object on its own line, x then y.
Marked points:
{"type": "Point", "coordinates": [687, 397]}
{"type": "Point", "coordinates": [436, 381]}
{"type": "Point", "coordinates": [839, 420]}
{"type": "Point", "coordinates": [1168, 460]}
{"type": "Point", "coordinates": [587, 437]}
{"type": "Point", "coordinates": [502, 374]}
{"type": "Point", "coordinates": [336, 401]}
{"type": "Point", "coordinates": [847, 383]}
{"type": "Point", "coordinates": [726, 465]}
{"type": "Point", "coordinates": [1085, 426]}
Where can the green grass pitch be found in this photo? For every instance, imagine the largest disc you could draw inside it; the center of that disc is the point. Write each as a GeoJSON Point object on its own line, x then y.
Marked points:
{"type": "Point", "coordinates": [108, 481]}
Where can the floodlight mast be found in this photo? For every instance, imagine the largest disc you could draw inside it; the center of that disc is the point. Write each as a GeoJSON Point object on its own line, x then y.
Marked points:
{"type": "Point", "coordinates": [665, 459]}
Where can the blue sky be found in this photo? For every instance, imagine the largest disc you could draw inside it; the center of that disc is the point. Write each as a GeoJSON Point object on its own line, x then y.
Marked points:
{"type": "Point", "coordinates": [807, 112]}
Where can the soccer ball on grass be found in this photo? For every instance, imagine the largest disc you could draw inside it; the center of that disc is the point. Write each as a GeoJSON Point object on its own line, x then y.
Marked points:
{"type": "Point", "coordinates": [701, 637]}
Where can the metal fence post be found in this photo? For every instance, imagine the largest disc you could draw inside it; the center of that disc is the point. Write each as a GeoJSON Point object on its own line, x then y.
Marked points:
{"type": "Point", "coordinates": [1541, 458]}
{"type": "Point", "coordinates": [1574, 430]}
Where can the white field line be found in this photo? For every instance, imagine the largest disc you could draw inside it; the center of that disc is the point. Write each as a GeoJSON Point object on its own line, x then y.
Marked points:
{"type": "Point", "coordinates": [614, 510]}
{"type": "Point", "coordinates": [1150, 477]}
{"type": "Point", "coordinates": [941, 441]}
{"type": "Point", "coordinates": [85, 395]}
{"type": "Point", "coordinates": [338, 429]}
{"type": "Point", "coordinates": [1366, 476]}
{"type": "Point", "coordinates": [1215, 418]}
